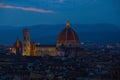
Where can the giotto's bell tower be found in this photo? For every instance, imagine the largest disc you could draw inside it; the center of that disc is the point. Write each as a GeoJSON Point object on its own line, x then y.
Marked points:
{"type": "Point", "coordinates": [26, 43]}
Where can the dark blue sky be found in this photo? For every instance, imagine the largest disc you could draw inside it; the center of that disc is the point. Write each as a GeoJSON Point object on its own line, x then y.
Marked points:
{"type": "Point", "coordinates": [32, 12]}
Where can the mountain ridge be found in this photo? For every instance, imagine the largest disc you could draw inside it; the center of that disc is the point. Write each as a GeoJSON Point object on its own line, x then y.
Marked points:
{"type": "Point", "coordinates": [81, 27]}
{"type": "Point", "coordinates": [49, 33]}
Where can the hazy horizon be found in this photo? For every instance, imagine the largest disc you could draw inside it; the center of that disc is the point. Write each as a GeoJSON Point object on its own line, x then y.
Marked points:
{"type": "Point", "coordinates": [5, 25]}
{"type": "Point", "coordinates": [47, 34]}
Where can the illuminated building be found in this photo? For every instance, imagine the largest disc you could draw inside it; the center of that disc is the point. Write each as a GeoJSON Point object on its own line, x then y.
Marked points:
{"type": "Point", "coordinates": [67, 44]}
{"type": "Point", "coordinates": [68, 37]}
{"type": "Point", "coordinates": [26, 43]}
{"type": "Point", "coordinates": [33, 49]}
{"type": "Point", "coordinates": [46, 50]}
{"type": "Point", "coordinates": [17, 48]}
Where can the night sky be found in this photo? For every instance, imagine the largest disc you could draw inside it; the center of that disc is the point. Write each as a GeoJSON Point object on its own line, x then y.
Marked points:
{"type": "Point", "coordinates": [32, 12]}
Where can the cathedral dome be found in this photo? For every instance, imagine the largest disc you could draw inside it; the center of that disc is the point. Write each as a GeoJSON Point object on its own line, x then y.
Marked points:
{"type": "Point", "coordinates": [68, 37]}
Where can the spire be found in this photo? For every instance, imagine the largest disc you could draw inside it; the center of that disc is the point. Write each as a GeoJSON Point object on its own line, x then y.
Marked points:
{"type": "Point", "coordinates": [67, 24]}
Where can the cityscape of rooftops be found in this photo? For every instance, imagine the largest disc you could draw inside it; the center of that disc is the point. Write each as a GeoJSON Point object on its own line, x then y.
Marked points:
{"type": "Point", "coordinates": [59, 40]}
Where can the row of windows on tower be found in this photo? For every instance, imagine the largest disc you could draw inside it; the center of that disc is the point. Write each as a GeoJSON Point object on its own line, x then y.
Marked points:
{"type": "Point", "coordinates": [26, 45]}
{"type": "Point", "coordinates": [26, 38]}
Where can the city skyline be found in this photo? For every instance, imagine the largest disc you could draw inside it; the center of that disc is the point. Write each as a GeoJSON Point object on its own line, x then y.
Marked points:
{"type": "Point", "coordinates": [59, 40]}
{"type": "Point", "coordinates": [26, 13]}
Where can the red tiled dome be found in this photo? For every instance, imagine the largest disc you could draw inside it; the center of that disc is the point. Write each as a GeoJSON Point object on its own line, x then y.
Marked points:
{"type": "Point", "coordinates": [17, 44]}
{"type": "Point", "coordinates": [68, 35]}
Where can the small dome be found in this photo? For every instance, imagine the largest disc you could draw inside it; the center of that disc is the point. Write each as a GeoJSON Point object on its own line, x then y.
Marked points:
{"type": "Point", "coordinates": [17, 44]}
{"type": "Point", "coordinates": [68, 37]}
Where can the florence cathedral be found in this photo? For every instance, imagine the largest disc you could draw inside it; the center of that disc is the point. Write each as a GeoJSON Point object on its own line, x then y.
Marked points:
{"type": "Point", "coordinates": [67, 44]}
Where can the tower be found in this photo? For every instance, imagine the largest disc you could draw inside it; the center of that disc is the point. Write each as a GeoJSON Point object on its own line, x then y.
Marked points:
{"type": "Point", "coordinates": [26, 42]}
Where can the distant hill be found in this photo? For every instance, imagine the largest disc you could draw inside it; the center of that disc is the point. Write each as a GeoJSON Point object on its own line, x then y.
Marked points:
{"type": "Point", "coordinates": [47, 34]}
